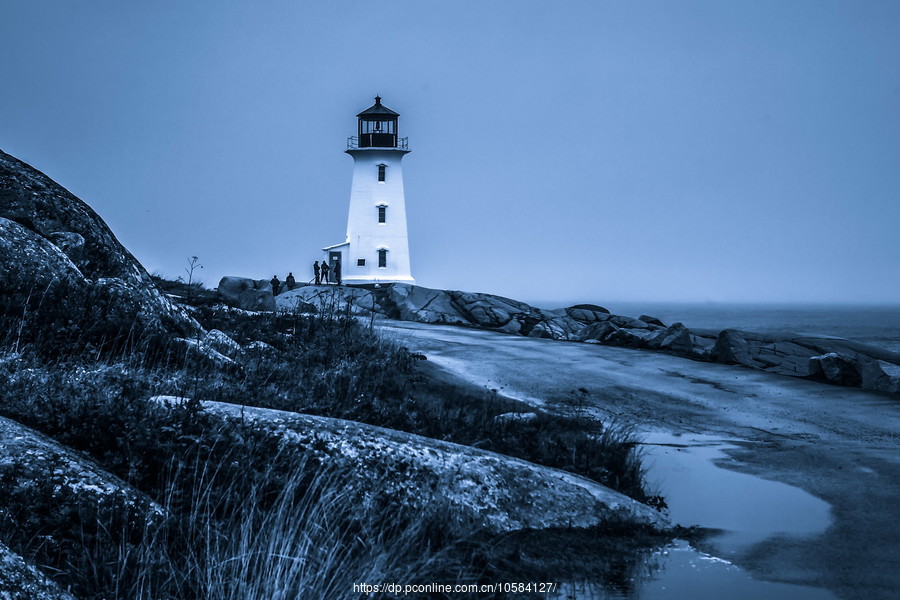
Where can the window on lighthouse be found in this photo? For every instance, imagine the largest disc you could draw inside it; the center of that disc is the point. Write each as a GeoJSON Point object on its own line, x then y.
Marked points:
{"type": "Point", "coordinates": [382, 214]}
{"type": "Point", "coordinates": [381, 172]}
{"type": "Point", "coordinates": [382, 258]}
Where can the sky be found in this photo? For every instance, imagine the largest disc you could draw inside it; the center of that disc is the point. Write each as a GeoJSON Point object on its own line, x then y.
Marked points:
{"type": "Point", "coordinates": [697, 151]}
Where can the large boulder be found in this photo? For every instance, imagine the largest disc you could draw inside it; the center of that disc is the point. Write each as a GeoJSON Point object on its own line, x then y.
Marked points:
{"type": "Point", "coordinates": [500, 493]}
{"type": "Point", "coordinates": [47, 490]}
{"type": "Point", "coordinates": [248, 294]}
{"type": "Point", "coordinates": [27, 455]}
{"type": "Point", "coordinates": [48, 235]}
{"type": "Point", "coordinates": [489, 311]}
{"type": "Point", "coordinates": [677, 339]}
{"type": "Point", "coordinates": [424, 305]}
{"type": "Point", "coordinates": [732, 348]}
{"type": "Point", "coordinates": [835, 368]}
{"type": "Point", "coordinates": [880, 376]}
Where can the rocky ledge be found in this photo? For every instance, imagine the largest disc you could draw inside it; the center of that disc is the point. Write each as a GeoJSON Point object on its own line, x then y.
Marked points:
{"type": "Point", "coordinates": [497, 493]}
{"type": "Point", "coordinates": [828, 359]}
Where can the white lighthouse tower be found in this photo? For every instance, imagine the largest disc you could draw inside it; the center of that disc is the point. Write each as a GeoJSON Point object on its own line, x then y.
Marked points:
{"type": "Point", "coordinates": [377, 246]}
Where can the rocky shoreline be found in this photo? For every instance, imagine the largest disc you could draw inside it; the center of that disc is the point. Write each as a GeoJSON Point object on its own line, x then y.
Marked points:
{"type": "Point", "coordinates": [833, 360]}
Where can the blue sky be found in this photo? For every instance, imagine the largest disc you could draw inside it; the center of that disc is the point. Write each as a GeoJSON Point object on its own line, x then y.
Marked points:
{"type": "Point", "coordinates": [571, 151]}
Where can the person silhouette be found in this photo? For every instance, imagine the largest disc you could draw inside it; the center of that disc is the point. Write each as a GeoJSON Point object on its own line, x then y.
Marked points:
{"type": "Point", "coordinates": [276, 285]}
{"type": "Point", "coordinates": [290, 281]}
{"type": "Point", "coordinates": [337, 272]}
{"type": "Point", "coordinates": [324, 272]}
{"type": "Point", "coordinates": [316, 271]}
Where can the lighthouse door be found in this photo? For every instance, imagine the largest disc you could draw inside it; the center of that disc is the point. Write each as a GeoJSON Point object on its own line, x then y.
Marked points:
{"type": "Point", "coordinates": [333, 257]}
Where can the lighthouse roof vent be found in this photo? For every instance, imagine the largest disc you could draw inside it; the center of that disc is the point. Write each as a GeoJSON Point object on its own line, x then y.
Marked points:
{"type": "Point", "coordinates": [378, 109]}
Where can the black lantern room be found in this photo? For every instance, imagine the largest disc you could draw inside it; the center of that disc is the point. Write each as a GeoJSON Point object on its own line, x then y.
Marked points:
{"type": "Point", "coordinates": [378, 126]}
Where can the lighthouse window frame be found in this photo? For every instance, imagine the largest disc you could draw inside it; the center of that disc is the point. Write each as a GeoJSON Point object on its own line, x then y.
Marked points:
{"type": "Point", "coordinates": [382, 172]}
{"type": "Point", "coordinates": [382, 258]}
{"type": "Point", "coordinates": [382, 214]}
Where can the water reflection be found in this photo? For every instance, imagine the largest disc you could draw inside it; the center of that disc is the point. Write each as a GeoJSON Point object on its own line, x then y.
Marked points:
{"type": "Point", "coordinates": [747, 509]}
{"type": "Point", "coordinates": [682, 573]}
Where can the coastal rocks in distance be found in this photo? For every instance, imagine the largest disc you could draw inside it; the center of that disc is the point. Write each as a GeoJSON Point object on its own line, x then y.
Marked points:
{"type": "Point", "coordinates": [500, 493]}
{"type": "Point", "coordinates": [832, 360]}
{"type": "Point", "coordinates": [473, 309]}
{"type": "Point", "coordinates": [834, 368]}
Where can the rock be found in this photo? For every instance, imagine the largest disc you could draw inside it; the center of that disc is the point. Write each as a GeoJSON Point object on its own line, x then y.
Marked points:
{"type": "Point", "coordinates": [488, 311]}
{"type": "Point", "coordinates": [551, 329]}
{"type": "Point", "coordinates": [328, 299]}
{"type": "Point", "coordinates": [223, 344]}
{"type": "Point", "coordinates": [72, 244]}
{"type": "Point", "coordinates": [590, 307]}
{"type": "Point", "coordinates": [880, 376]}
{"type": "Point", "coordinates": [70, 479]}
{"type": "Point", "coordinates": [39, 473]}
{"type": "Point", "coordinates": [834, 368]}
{"type": "Point", "coordinates": [424, 305]}
{"type": "Point", "coordinates": [582, 313]}
{"type": "Point", "coordinates": [30, 262]}
{"type": "Point", "coordinates": [597, 331]}
{"type": "Point", "coordinates": [731, 348]}
{"type": "Point", "coordinates": [248, 294]}
{"type": "Point", "coordinates": [68, 228]}
{"type": "Point", "coordinates": [628, 322]}
{"type": "Point", "coordinates": [36, 214]}
{"type": "Point", "coordinates": [515, 417]}
{"type": "Point", "coordinates": [651, 320]}
{"type": "Point", "coordinates": [677, 339]}
{"type": "Point", "coordinates": [205, 356]}
{"type": "Point", "coordinates": [701, 347]}
{"type": "Point", "coordinates": [259, 347]}
{"type": "Point", "coordinates": [655, 338]}
{"type": "Point", "coordinates": [629, 338]}
{"type": "Point", "coordinates": [230, 288]}
{"type": "Point", "coordinates": [503, 494]}
{"type": "Point", "coordinates": [22, 581]}
{"type": "Point", "coordinates": [257, 300]}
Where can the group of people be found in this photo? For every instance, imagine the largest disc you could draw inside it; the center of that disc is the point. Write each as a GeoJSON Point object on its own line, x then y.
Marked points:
{"type": "Point", "coordinates": [321, 272]}
{"type": "Point", "coordinates": [289, 283]}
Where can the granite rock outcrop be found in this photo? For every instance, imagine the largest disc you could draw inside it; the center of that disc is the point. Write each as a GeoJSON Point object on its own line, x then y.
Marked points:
{"type": "Point", "coordinates": [49, 237]}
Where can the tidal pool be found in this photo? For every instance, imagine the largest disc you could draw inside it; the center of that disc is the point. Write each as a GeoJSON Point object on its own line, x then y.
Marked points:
{"type": "Point", "coordinates": [747, 509]}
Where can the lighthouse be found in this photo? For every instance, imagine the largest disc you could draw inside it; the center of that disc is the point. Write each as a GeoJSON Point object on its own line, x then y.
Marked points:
{"type": "Point", "coordinates": [376, 249]}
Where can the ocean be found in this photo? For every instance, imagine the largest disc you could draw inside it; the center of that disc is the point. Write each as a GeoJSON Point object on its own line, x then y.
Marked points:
{"type": "Point", "coordinates": [876, 325]}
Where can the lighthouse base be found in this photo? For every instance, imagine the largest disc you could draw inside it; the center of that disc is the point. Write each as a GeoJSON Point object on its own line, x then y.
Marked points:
{"type": "Point", "coordinates": [376, 280]}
